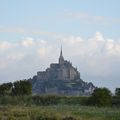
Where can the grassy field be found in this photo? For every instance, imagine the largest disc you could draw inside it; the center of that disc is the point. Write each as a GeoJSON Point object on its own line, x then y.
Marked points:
{"type": "Point", "coordinates": [58, 112]}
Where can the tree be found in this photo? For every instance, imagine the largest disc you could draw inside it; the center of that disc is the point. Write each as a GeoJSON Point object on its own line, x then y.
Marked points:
{"type": "Point", "coordinates": [117, 92]}
{"type": "Point", "coordinates": [22, 87]}
{"type": "Point", "coordinates": [101, 97]}
{"type": "Point", "coordinates": [116, 98]}
{"type": "Point", "coordinates": [5, 88]}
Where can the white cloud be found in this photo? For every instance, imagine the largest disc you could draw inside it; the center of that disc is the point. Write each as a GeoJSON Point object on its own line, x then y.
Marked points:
{"type": "Point", "coordinates": [28, 42]}
{"type": "Point", "coordinates": [88, 18]}
{"type": "Point", "coordinates": [96, 57]}
{"type": "Point", "coordinates": [98, 37]}
{"type": "Point", "coordinates": [80, 15]}
{"type": "Point", "coordinates": [96, 53]}
{"type": "Point", "coordinates": [30, 31]}
{"type": "Point", "coordinates": [42, 51]}
{"type": "Point", "coordinates": [5, 45]}
{"type": "Point", "coordinates": [71, 40]}
{"type": "Point", "coordinates": [11, 53]}
{"type": "Point", "coordinates": [16, 56]}
{"type": "Point", "coordinates": [97, 44]}
{"type": "Point", "coordinates": [80, 46]}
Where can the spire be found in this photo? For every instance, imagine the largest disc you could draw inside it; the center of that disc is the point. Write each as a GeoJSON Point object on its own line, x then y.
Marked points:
{"type": "Point", "coordinates": [61, 51]}
{"type": "Point", "coordinates": [61, 59]}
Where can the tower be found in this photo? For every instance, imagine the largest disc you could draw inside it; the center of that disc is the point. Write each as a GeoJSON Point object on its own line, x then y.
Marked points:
{"type": "Point", "coordinates": [61, 59]}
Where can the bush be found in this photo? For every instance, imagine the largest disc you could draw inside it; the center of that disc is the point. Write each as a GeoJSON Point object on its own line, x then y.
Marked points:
{"type": "Point", "coordinates": [69, 118]}
{"type": "Point", "coordinates": [22, 87]}
{"type": "Point", "coordinates": [116, 101]}
{"type": "Point", "coordinates": [74, 100]}
{"type": "Point", "coordinates": [45, 100]}
{"type": "Point", "coordinates": [101, 97]}
{"type": "Point", "coordinates": [117, 92]}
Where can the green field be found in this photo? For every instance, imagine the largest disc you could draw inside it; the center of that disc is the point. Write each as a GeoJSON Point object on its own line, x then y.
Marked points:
{"type": "Point", "coordinates": [58, 112]}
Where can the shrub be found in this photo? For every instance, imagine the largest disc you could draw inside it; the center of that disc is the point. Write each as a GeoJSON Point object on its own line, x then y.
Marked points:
{"type": "Point", "coordinates": [69, 118]}
{"type": "Point", "coordinates": [45, 100]}
{"type": "Point", "coordinates": [101, 97]}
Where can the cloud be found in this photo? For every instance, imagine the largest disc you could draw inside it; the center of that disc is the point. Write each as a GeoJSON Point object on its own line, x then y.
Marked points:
{"type": "Point", "coordinates": [88, 18]}
{"type": "Point", "coordinates": [28, 42]}
{"type": "Point", "coordinates": [85, 16]}
{"type": "Point", "coordinates": [95, 47]}
{"type": "Point", "coordinates": [97, 44]}
{"type": "Point", "coordinates": [97, 58]}
{"type": "Point", "coordinates": [16, 56]}
{"type": "Point", "coordinates": [10, 52]}
{"type": "Point", "coordinates": [19, 30]}
{"type": "Point", "coordinates": [5, 45]}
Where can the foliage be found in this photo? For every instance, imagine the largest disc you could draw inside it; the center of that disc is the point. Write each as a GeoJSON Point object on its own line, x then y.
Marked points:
{"type": "Point", "coordinates": [5, 88]}
{"type": "Point", "coordinates": [22, 87]}
{"type": "Point", "coordinates": [16, 100]}
{"type": "Point", "coordinates": [70, 100]}
{"type": "Point", "coordinates": [49, 100]}
{"type": "Point", "coordinates": [116, 98]}
{"type": "Point", "coordinates": [101, 97]}
{"type": "Point", "coordinates": [45, 100]}
{"type": "Point", "coordinates": [53, 108]}
{"type": "Point", "coordinates": [69, 118]}
{"type": "Point", "coordinates": [116, 101]}
{"type": "Point", "coordinates": [117, 92]}
{"type": "Point", "coordinates": [59, 112]}
{"type": "Point", "coordinates": [42, 100]}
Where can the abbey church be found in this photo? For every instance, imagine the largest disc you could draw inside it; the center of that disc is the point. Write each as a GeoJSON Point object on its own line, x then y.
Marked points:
{"type": "Point", "coordinates": [63, 70]}
{"type": "Point", "coordinates": [62, 79]}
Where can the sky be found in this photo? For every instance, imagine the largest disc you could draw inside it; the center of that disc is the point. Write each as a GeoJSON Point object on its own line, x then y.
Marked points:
{"type": "Point", "coordinates": [32, 32]}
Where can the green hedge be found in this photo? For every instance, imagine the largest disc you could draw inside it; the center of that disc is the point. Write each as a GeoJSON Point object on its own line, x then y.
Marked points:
{"type": "Point", "coordinates": [49, 100]}
{"type": "Point", "coordinates": [42, 100]}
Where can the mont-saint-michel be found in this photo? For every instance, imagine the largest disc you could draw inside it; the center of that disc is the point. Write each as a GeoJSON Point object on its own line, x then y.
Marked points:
{"type": "Point", "coordinates": [61, 79]}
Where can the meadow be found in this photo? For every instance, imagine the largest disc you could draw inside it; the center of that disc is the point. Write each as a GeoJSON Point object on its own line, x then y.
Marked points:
{"type": "Point", "coordinates": [51, 107]}
{"type": "Point", "coordinates": [58, 112]}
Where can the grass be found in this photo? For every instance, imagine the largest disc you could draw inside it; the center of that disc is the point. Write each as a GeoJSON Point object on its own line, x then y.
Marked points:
{"type": "Point", "coordinates": [58, 112]}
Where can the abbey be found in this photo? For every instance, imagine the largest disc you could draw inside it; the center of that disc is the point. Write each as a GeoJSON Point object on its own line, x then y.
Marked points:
{"type": "Point", "coordinates": [63, 70]}
{"type": "Point", "coordinates": [62, 79]}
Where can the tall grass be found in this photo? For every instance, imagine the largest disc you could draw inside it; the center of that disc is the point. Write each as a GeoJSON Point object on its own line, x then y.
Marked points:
{"type": "Point", "coordinates": [53, 108]}
{"type": "Point", "coordinates": [58, 112]}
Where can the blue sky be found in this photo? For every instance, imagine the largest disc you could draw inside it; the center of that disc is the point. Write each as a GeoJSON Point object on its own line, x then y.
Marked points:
{"type": "Point", "coordinates": [75, 17]}
{"type": "Point", "coordinates": [32, 30]}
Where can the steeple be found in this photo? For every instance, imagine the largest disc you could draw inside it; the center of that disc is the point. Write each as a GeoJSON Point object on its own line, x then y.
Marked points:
{"type": "Point", "coordinates": [61, 51]}
{"type": "Point", "coordinates": [61, 59]}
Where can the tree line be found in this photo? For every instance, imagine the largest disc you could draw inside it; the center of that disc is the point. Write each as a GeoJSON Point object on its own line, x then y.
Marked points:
{"type": "Point", "coordinates": [17, 88]}
{"type": "Point", "coordinates": [99, 97]}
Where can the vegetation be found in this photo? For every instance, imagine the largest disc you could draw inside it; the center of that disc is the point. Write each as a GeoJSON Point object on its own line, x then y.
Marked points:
{"type": "Point", "coordinates": [117, 92]}
{"type": "Point", "coordinates": [58, 112]}
{"type": "Point", "coordinates": [19, 93]}
{"type": "Point", "coordinates": [42, 100]}
{"type": "Point", "coordinates": [22, 87]}
{"type": "Point", "coordinates": [5, 89]}
{"type": "Point", "coordinates": [17, 103]}
{"type": "Point", "coordinates": [101, 97]}
{"type": "Point", "coordinates": [116, 98]}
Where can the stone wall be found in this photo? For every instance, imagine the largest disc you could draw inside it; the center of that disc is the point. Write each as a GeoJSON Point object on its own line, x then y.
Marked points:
{"type": "Point", "coordinates": [59, 71]}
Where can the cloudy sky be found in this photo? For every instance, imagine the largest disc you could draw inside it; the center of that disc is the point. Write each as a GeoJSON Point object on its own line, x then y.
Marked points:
{"type": "Point", "coordinates": [32, 31]}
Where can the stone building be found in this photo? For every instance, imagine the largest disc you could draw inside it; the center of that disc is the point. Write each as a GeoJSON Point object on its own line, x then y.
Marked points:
{"type": "Point", "coordinates": [62, 79]}
{"type": "Point", "coordinates": [63, 70]}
